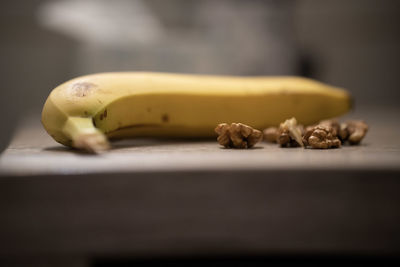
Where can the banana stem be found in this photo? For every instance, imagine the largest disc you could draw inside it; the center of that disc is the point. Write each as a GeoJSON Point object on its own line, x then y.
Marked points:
{"type": "Point", "coordinates": [84, 135]}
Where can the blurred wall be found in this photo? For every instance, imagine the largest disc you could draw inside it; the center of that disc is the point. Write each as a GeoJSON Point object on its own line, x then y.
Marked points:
{"type": "Point", "coordinates": [232, 37]}
{"type": "Point", "coordinates": [33, 60]}
{"type": "Point", "coordinates": [353, 44]}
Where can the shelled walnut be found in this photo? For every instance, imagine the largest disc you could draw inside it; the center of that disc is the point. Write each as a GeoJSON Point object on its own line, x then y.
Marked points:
{"type": "Point", "coordinates": [353, 131]}
{"type": "Point", "coordinates": [333, 123]}
{"type": "Point", "coordinates": [237, 135]}
{"type": "Point", "coordinates": [289, 134]}
{"type": "Point", "coordinates": [270, 134]}
{"type": "Point", "coordinates": [321, 136]}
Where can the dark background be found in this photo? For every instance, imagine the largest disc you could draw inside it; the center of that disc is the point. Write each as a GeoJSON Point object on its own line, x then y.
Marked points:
{"type": "Point", "coordinates": [352, 44]}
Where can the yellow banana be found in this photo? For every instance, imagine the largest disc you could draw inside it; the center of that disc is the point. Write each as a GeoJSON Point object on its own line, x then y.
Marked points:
{"type": "Point", "coordinates": [84, 112]}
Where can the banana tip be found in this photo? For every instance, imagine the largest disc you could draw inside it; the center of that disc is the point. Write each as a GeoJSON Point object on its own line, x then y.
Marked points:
{"type": "Point", "coordinates": [92, 143]}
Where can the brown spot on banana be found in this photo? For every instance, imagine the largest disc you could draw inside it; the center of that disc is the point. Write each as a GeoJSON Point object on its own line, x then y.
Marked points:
{"type": "Point", "coordinates": [103, 115]}
{"type": "Point", "coordinates": [165, 118]}
{"type": "Point", "coordinates": [82, 89]}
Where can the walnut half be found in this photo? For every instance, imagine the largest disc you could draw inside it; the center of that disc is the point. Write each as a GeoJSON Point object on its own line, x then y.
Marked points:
{"type": "Point", "coordinates": [289, 133]}
{"type": "Point", "coordinates": [353, 131]}
{"type": "Point", "coordinates": [270, 134]}
{"type": "Point", "coordinates": [237, 135]}
{"type": "Point", "coordinates": [321, 136]}
{"type": "Point", "coordinates": [332, 123]}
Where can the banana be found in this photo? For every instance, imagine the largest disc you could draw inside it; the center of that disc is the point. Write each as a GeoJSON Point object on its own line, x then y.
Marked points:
{"type": "Point", "coordinates": [87, 111]}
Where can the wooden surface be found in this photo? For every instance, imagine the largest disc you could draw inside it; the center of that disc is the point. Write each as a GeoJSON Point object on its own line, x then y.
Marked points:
{"type": "Point", "coordinates": [148, 198]}
{"type": "Point", "coordinates": [33, 152]}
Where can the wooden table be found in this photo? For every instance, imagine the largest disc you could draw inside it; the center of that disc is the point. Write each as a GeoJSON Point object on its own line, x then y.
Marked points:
{"type": "Point", "coordinates": [185, 198]}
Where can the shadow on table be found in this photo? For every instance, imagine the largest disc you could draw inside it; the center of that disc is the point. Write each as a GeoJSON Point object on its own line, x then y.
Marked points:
{"type": "Point", "coordinates": [138, 143]}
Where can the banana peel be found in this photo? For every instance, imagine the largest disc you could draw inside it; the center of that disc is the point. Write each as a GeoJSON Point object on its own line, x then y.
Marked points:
{"type": "Point", "coordinates": [87, 111]}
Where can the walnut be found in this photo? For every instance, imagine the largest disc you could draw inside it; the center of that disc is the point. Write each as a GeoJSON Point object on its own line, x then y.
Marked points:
{"type": "Point", "coordinates": [343, 133]}
{"type": "Point", "coordinates": [237, 135]}
{"type": "Point", "coordinates": [289, 133]}
{"type": "Point", "coordinates": [353, 131]}
{"type": "Point", "coordinates": [270, 134]}
{"type": "Point", "coordinates": [321, 136]}
{"type": "Point", "coordinates": [333, 123]}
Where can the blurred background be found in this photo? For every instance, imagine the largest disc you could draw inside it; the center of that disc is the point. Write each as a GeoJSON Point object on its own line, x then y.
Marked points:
{"type": "Point", "coordinates": [351, 44]}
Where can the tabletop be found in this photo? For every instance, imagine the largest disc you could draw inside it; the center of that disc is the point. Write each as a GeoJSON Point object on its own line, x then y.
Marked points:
{"type": "Point", "coordinates": [33, 152]}
{"type": "Point", "coordinates": [172, 197]}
